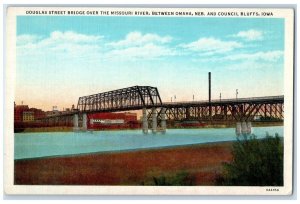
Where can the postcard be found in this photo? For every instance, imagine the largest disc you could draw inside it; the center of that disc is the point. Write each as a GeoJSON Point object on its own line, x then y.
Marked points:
{"type": "Point", "coordinates": [149, 101]}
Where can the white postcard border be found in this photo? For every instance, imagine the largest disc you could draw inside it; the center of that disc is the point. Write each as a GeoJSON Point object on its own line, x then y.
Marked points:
{"type": "Point", "coordinates": [10, 70]}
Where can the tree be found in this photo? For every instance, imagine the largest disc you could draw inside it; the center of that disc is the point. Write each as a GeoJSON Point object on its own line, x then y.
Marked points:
{"type": "Point", "coordinates": [180, 179]}
{"type": "Point", "coordinates": [256, 162]}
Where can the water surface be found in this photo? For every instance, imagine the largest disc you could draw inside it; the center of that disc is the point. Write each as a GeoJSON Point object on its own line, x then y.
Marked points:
{"type": "Point", "coordinates": [32, 145]}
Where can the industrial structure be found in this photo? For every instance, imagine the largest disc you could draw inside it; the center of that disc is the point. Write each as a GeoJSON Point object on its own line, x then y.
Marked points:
{"type": "Point", "coordinates": [109, 121]}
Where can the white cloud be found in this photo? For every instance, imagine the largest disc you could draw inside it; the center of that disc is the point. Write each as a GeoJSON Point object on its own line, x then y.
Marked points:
{"type": "Point", "coordinates": [210, 46]}
{"type": "Point", "coordinates": [70, 36]}
{"type": "Point", "coordinates": [253, 65]}
{"type": "Point", "coordinates": [250, 35]}
{"type": "Point", "coordinates": [71, 45]}
{"type": "Point", "coordinates": [57, 38]}
{"type": "Point", "coordinates": [140, 46]}
{"type": "Point", "coordinates": [147, 51]}
{"type": "Point", "coordinates": [270, 56]}
{"type": "Point", "coordinates": [139, 39]}
{"type": "Point", "coordinates": [26, 39]}
{"type": "Point", "coordinates": [66, 44]}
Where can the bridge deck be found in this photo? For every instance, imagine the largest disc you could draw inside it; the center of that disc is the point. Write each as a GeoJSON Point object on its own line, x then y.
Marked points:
{"type": "Point", "coordinates": [252, 100]}
{"type": "Point", "coordinates": [204, 103]}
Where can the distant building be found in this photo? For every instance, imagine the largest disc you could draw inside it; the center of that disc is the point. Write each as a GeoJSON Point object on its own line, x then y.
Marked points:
{"type": "Point", "coordinates": [112, 120]}
{"type": "Point", "coordinates": [38, 113]}
{"type": "Point", "coordinates": [18, 112]}
{"type": "Point", "coordinates": [52, 113]}
{"type": "Point", "coordinates": [28, 116]}
{"type": "Point", "coordinates": [22, 113]}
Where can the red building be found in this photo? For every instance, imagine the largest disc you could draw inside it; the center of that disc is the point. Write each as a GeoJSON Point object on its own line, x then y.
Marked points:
{"type": "Point", "coordinates": [113, 121]}
{"type": "Point", "coordinates": [38, 113]}
{"type": "Point", "coordinates": [18, 112]}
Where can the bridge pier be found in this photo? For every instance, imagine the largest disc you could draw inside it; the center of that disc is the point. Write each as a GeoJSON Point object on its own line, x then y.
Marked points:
{"type": "Point", "coordinates": [84, 122]}
{"type": "Point", "coordinates": [238, 128]}
{"type": "Point", "coordinates": [154, 120]}
{"type": "Point", "coordinates": [75, 122]}
{"type": "Point", "coordinates": [243, 128]}
{"type": "Point", "coordinates": [163, 122]}
{"type": "Point", "coordinates": [145, 121]}
{"type": "Point", "coordinates": [249, 127]}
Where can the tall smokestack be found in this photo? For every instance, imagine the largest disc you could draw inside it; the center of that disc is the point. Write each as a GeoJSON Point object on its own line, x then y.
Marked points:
{"type": "Point", "coordinates": [209, 94]}
{"type": "Point", "coordinates": [209, 87]}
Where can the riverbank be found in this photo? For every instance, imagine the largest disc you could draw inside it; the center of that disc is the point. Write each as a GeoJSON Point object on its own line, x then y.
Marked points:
{"type": "Point", "coordinates": [49, 129]}
{"type": "Point", "coordinates": [70, 129]}
{"type": "Point", "coordinates": [201, 163]}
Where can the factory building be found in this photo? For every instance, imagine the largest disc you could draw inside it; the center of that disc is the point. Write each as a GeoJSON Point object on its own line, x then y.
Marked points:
{"type": "Point", "coordinates": [113, 121]}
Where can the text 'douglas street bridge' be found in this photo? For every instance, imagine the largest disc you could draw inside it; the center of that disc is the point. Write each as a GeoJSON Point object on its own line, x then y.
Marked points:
{"type": "Point", "coordinates": [155, 113]}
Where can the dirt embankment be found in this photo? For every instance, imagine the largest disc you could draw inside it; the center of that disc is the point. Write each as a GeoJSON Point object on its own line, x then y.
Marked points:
{"type": "Point", "coordinates": [200, 162]}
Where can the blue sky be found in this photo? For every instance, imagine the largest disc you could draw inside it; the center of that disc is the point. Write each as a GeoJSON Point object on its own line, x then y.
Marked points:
{"type": "Point", "coordinates": [62, 58]}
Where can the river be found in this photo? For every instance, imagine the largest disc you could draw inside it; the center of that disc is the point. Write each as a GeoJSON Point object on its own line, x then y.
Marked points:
{"type": "Point", "coordinates": [33, 145]}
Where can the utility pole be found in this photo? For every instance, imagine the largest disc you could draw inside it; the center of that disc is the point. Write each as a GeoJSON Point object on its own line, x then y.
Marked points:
{"type": "Point", "coordinates": [236, 93]}
{"type": "Point", "coordinates": [220, 96]}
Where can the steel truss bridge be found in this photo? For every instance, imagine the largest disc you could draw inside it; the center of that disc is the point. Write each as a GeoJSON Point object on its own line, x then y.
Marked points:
{"type": "Point", "coordinates": [132, 98]}
{"type": "Point", "coordinates": [148, 98]}
{"type": "Point", "coordinates": [242, 109]}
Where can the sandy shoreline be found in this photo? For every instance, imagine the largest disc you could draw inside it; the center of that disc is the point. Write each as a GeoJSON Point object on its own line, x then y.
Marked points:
{"type": "Point", "coordinates": [202, 162]}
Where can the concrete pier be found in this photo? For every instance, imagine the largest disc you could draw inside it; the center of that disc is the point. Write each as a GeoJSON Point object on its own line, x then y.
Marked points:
{"type": "Point", "coordinates": [75, 122]}
{"type": "Point", "coordinates": [84, 122]}
{"type": "Point", "coordinates": [145, 121]}
{"type": "Point", "coordinates": [238, 129]}
{"type": "Point", "coordinates": [163, 122]}
{"type": "Point", "coordinates": [154, 120]}
{"type": "Point", "coordinates": [244, 127]}
{"type": "Point", "coordinates": [249, 127]}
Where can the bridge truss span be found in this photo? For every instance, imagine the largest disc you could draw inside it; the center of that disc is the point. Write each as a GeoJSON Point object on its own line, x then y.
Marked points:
{"type": "Point", "coordinates": [244, 109]}
{"type": "Point", "coordinates": [131, 98]}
